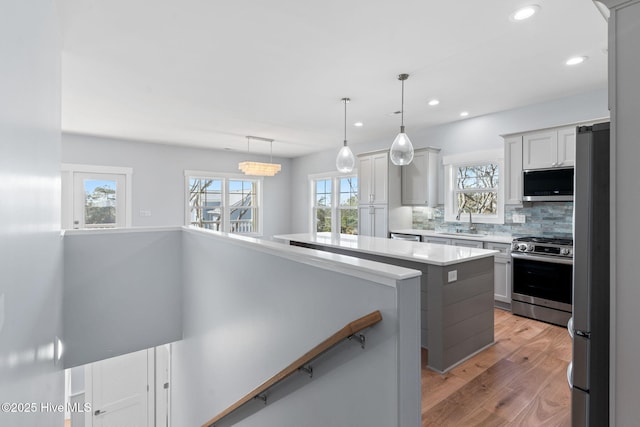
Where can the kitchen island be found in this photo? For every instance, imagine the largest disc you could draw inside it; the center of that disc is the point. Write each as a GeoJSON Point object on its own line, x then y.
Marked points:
{"type": "Point", "coordinates": [457, 289]}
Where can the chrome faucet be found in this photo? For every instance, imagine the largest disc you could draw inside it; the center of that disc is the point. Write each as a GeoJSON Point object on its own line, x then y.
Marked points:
{"type": "Point", "coordinates": [472, 227]}
{"type": "Point", "coordinates": [458, 216]}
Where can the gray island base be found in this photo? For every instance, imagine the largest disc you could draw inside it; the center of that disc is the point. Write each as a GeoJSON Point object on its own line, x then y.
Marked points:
{"type": "Point", "coordinates": [456, 294]}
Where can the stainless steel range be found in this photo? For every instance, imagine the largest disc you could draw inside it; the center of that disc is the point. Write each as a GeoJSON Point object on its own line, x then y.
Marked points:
{"type": "Point", "coordinates": [542, 278]}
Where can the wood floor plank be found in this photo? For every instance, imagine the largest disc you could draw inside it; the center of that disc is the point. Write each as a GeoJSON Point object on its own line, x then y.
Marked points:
{"type": "Point", "coordinates": [521, 380]}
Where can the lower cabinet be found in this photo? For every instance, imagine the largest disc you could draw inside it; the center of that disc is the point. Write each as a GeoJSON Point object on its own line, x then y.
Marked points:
{"type": "Point", "coordinates": [372, 221]}
{"type": "Point", "coordinates": [502, 273]}
{"type": "Point", "coordinates": [467, 243]}
{"type": "Point", "coordinates": [438, 240]}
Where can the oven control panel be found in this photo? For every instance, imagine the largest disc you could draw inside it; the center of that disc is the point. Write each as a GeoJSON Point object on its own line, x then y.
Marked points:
{"type": "Point", "coordinates": [543, 246]}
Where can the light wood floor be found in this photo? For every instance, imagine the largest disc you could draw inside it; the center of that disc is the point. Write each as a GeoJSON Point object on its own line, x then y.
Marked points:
{"type": "Point", "coordinates": [519, 381]}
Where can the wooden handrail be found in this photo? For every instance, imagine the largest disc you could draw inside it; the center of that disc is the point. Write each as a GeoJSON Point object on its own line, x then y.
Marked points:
{"type": "Point", "coordinates": [344, 333]}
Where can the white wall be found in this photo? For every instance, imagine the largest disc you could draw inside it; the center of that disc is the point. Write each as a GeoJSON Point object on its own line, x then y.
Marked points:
{"type": "Point", "coordinates": [122, 292]}
{"type": "Point", "coordinates": [243, 325]}
{"type": "Point", "coordinates": [158, 176]}
{"type": "Point", "coordinates": [474, 134]}
{"type": "Point", "coordinates": [30, 244]}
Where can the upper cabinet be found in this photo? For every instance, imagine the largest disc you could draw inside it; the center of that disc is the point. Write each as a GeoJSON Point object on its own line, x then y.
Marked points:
{"type": "Point", "coordinates": [566, 147]}
{"type": "Point", "coordinates": [549, 149]}
{"type": "Point", "coordinates": [513, 170]}
{"type": "Point", "coordinates": [379, 196]}
{"type": "Point", "coordinates": [420, 178]}
{"type": "Point", "coordinates": [373, 178]}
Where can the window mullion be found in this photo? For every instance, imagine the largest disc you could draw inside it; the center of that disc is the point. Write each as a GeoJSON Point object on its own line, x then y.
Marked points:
{"type": "Point", "coordinates": [335, 199]}
{"type": "Point", "coordinates": [225, 211]}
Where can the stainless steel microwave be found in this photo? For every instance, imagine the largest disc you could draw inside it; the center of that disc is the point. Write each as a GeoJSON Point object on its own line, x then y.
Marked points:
{"type": "Point", "coordinates": [547, 185]}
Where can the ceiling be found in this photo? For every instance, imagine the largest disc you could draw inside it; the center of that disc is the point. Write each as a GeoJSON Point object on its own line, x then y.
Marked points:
{"type": "Point", "coordinates": [207, 73]}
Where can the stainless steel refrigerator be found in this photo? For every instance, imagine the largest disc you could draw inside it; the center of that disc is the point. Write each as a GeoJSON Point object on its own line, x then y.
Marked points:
{"type": "Point", "coordinates": [590, 366]}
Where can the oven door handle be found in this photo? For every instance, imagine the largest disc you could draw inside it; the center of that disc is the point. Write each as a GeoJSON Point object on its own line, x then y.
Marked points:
{"type": "Point", "coordinates": [554, 260]}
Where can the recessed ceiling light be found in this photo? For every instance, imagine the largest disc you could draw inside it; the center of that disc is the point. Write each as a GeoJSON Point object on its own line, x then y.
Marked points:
{"type": "Point", "coordinates": [464, 114]}
{"type": "Point", "coordinates": [358, 124]}
{"type": "Point", "coordinates": [576, 60]}
{"type": "Point", "coordinates": [434, 102]}
{"type": "Point", "coordinates": [524, 12]}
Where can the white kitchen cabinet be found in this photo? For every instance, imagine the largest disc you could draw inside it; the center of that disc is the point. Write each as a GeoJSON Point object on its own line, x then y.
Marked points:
{"type": "Point", "coordinates": [373, 179]}
{"type": "Point", "coordinates": [502, 272]}
{"type": "Point", "coordinates": [549, 148]}
{"type": "Point", "coordinates": [372, 220]}
{"type": "Point", "coordinates": [379, 207]}
{"type": "Point", "coordinates": [467, 243]}
{"type": "Point", "coordinates": [453, 242]}
{"type": "Point", "coordinates": [513, 170]}
{"type": "Point", "coordinates": [566, 147]}
{"type": "Point", "coordinates": [420, 178]}
{"type": "Point", "coordinates": [437, 240]}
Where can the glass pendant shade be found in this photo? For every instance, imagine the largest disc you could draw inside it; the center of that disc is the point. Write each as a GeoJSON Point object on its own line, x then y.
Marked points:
{"type": "Point", "coordinates": [401, 152]}
{"type": "Point", "coordinates": [345, 161]}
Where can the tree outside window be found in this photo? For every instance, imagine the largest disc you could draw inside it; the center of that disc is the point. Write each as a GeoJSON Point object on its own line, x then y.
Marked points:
{"type": "Point", "coordinates": [335, 204]}
{"type": "Point", "coordinates": [348, 209]}
{"type": "Point", "coordinates": [477, 189]}
{"type": "Point", "coordinates": [472, 185]}
{"type": "Point", "coordinates": [100, 203]}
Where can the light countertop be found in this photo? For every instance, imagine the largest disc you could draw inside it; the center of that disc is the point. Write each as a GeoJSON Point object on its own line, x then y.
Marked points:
{"type": "Point", "coordinates": [428, 253]}
{"type": "Point", "coordinates": [495, 238]}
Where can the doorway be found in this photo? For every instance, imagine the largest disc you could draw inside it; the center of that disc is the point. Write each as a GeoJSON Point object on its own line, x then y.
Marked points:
{"type": "Point", "coordinates": [132, 389]}
{"type": "Point", "coordinates": [95, 196]}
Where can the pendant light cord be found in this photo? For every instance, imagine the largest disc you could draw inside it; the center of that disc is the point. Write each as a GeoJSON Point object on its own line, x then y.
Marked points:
{"type": "Point", "coordinates": [249, 137]}
{"type": "Point", "coordinates": [345, 100]}
{"type": "Point", "coordinates": [402, 108]}
{"type": "Point", "coordinates": [402, 78]}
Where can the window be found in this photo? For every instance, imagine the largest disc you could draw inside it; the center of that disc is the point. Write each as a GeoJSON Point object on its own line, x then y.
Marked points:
{"type": "Point", "coordinates": [473, 186]}
{"type": "Point", "coordinates": [224, 202]}
{"type": "Point", "coordinates": [335, 204]}
{"type": "Point", "coordinates": [95, 196]}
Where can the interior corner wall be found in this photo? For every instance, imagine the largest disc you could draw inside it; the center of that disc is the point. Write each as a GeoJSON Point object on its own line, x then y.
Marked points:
{"type": "Point", "coordinates": [473, 134]}
{"type": "Point", "coordinates": [158, 176]}
{"type": "Point", "coordinates": [30, 243]}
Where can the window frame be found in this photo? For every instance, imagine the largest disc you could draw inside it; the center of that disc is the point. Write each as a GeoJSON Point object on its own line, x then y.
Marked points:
{"type": "Point", "coordinates": [451, 164]}
{"type": "Point", "coordinates": [225, 207]}
{"type": "Point", "coordinates": [335, 207]}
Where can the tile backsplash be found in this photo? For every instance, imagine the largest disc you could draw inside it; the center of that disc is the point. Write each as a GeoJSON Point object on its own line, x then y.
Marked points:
{"type": "Point", "coordinates": [542, 219]}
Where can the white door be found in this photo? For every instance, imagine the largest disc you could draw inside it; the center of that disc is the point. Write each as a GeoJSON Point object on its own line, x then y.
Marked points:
{"type": "Point", "coordinates": [120, 391]}
{"type": "Point", "coordinates": [99, 200]}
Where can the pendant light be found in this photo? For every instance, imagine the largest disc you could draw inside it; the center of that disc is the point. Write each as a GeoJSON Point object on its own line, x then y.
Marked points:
{"type": "Point", "coordinates": [401, 152]}
{"type": "Point", "coordinates": [257, 168]}
{"type": "Point", "coordinates": [345, 161]}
